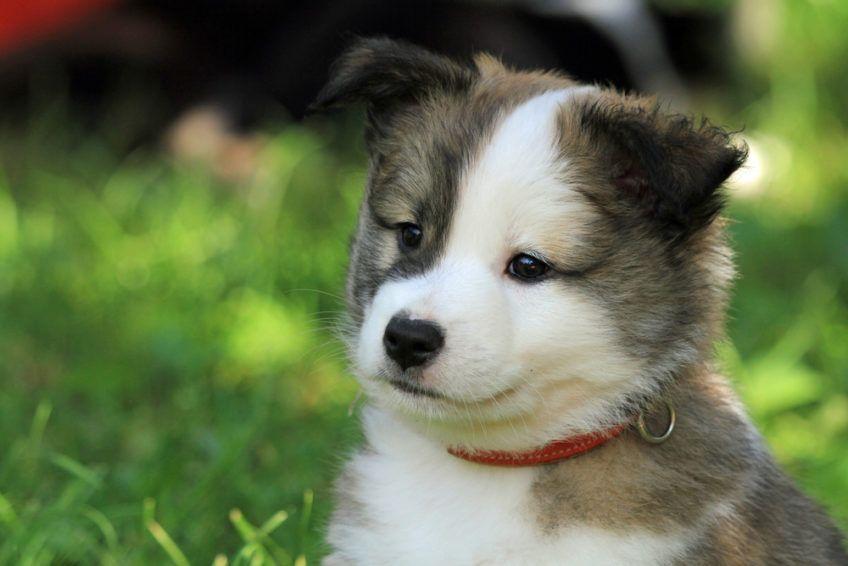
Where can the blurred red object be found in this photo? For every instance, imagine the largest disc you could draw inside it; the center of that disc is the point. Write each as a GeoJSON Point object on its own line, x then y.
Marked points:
{"type": "Point", "coordinates": [23, 22]}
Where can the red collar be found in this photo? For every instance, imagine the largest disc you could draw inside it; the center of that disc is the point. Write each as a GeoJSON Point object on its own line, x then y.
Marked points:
{"type": "Point", "coordinates": [553, 452]}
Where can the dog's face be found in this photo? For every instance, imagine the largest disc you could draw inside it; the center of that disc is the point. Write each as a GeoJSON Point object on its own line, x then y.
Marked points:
{"type": "Point", "coordinates": [529, 250]}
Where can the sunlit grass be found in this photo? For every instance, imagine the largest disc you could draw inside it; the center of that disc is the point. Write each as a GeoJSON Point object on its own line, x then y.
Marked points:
{"type": "Point", "coordinates": [179, 333]}
{"type": "Point", "coordinates": [69, 529]}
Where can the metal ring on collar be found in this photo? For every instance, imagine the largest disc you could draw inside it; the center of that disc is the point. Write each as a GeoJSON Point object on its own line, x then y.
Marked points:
{"type": "Point", "coordinates": [647, 435]}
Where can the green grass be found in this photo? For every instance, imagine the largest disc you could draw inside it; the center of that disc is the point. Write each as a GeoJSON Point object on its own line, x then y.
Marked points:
{"type": "Point", "coordinates": [170, 390]}
{"type": "Point", "coordinates": [167, 338]}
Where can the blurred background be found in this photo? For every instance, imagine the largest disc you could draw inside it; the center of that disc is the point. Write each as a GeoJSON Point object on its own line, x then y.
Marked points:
{"type": "Point", "coordinates": [173, 240]}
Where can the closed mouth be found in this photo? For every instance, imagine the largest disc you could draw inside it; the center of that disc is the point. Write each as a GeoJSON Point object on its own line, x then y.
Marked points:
{"type": "Point", "coordinates": [414, 389]}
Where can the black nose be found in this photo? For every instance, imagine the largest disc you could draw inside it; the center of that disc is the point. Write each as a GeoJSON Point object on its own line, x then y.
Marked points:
{"type": "Point", "coordinates": [412, 342]}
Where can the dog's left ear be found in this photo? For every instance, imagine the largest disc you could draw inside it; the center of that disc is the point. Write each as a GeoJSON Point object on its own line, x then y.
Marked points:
{"type": "Point", "coordinates": [666, 166]}
{"type": "Point", "coordinates": [382, 72]}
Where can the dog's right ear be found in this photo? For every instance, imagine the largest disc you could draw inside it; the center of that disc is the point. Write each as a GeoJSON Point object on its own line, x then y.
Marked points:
{"type": "Point", "coordinates": [384, 74]}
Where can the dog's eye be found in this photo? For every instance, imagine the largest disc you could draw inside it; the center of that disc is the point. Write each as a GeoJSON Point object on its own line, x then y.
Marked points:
{"type": "Point", "coordinates": [409, 236]}
{"type": "Point", "coordinates": [526, 266]}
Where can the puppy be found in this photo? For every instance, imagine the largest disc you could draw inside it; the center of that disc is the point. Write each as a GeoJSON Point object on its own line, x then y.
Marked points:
{"type": "Point", "coordinates": [536, 283]}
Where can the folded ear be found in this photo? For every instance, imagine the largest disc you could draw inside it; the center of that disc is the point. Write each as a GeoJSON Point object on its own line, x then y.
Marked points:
{"type": "Point", "coordinates": [664, 164]}
{"type": "Point", "coordinates": [382, 72]}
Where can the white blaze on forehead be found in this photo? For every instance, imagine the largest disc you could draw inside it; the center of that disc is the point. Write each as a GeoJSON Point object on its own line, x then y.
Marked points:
{"type": "Point", "coordinates": [512, 192]}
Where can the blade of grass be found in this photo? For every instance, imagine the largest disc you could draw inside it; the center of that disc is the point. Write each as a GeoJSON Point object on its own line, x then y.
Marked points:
{"type": "Point", "coordinates": [7, 512]}
{"type": "Point", "coordinates": [161, 535]}
{"type": "Point", "coordinates": [308, 500]}
{"type": "Point", "coordinates": [275, 521]}
{"type": "Point", "coordinates": [110, 535]}
{"type": "Point", "coordinates": [34, 552]}
{"type": "Point", "coordinates": [76, 469]}
{"type": "Point", "coordinates": [246, 554]}
{"type": "Point", "coordinates": [265, 546]}
{"type": "Point", "coordinates": [303, 527]}
{"type": "Point", "coordinates": [39, 424]}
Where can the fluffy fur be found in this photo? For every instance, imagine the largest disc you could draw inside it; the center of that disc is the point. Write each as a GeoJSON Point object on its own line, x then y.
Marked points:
{"type": "Point", "coordinates": [622, 201]}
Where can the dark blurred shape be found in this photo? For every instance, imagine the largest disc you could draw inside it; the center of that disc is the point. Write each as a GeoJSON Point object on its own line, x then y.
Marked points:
{"type": "Point", "coordinates": [249, 58]}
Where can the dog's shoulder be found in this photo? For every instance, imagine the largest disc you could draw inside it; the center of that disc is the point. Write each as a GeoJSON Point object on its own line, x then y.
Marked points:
{"type": "Point", "coordinates": [714, 481]}
{"type": "Point", "coordinates": [773, 524]}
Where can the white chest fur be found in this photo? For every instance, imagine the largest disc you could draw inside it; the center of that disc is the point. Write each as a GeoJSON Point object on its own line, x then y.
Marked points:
{"type": "Point", "coordinates": [423, 506]}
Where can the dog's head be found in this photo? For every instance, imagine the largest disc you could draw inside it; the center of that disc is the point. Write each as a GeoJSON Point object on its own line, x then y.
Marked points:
{"type": "Point", "coordinates": [532, 253]}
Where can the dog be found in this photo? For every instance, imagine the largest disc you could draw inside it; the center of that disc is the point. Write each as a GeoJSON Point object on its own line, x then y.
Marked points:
{"type": "Point", "coordinates": [538, 278]}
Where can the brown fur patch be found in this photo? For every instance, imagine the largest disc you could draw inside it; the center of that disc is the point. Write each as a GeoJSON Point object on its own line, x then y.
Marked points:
{"type": "Point", "coordinates": [630, 483]}
{"type": "Point", "coordinates": [714, 457]}
{"type": "Point", "coordinates": [774, 524]}
{"type": "Point", "coordinates": [666, 291]}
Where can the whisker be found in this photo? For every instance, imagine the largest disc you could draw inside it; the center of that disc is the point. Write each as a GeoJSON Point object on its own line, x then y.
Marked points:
{"type": "Point", "coordinates": [317, 291]}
